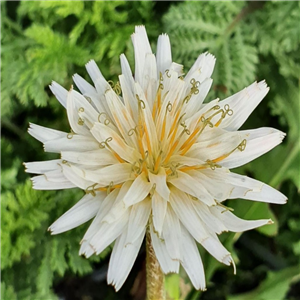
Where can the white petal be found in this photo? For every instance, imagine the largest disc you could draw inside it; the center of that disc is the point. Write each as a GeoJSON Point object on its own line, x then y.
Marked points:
{"type": "Point", "coordinates": [208, 218]}
{"type": "Point", "coordinates": [141, 48]}
{"type": "Point", "coordinates": [83, 85]}
{"type": "Point", "coordinates": [148, 126]}
{"type": "Point", "coordinates": [264, 194]}
{"type": "Point", "coordinates": [172, 234]}
{"type": "Point", "coordinates": [60, 93]}
{"type": "Point", "coordinates": [81, 212]}
{"type": "Point", "coordinates": [218, 147]}
{"type": "Point", "coordinates": [100, 157]}
{"type": "Point", "coordinates": [119, 207]}
{"type": "Point", "coordinates": [73, 105]}
{"type": "Point", "coordinates": [138, 190]}
{"type": "Point", "coordinates": [159, 210]}
{"type": "Point", "coordinates": [108, 232]}
{"type": "Point", "coordinates": [191, 260]}
{"type": "Point", "coordinates": [46, 181]}
{"type": "Point", "coordinates": [234, 223]}
{"type": "Point", "coordinates": [259, 141]}
{"type": "Point", "coordinates": [185, 211]}
{"type": "Point", "coordinates": [125, 67]}
{"type": "Point", "coordinates": [104, 134]}
{"type": "Point", "coordinates": [160, 181]}
{"type": "Point", "coordinates": [167, 264]}
{"type": "Point", "coordinates": [188, 184]}
{"type": "Point", "coordinates": [217, 250]}
{"type": "Point", "coordinates": [41, 167]}
{"type": "Point", "coordinates": [86, 249]}
{"type": "Point", "coordinates": [196, 100]}
{"type": "Point", "coordinates": [219, 189]}
{"type": "Point", "coordinates": [71, 142]}
{"type": "Point", "coordinates": [44, 134]}
{"type": "Point", "coordinates": [122, 259]}
{"type": "Point", "coordinates": [122, 117]}
{"type": "Point", "coordinates": [93, 71]}
{"type": "Point", "coordinates": [76, 176]}
{"type": "Point", "coordinates": [202, 68]}
{"type": "Point", "coordinates": [102, 86]}
{"type": "Point", "coordinates": [105, 207]}
{"type": "Point", "coordinates": [186, 160]}
{"type": "Point", "coordinates": [149, 83]}
{"type": "Point", "coordinates": [178, 68]}
{"type": "Point", "coordinates": [242, 104]}
{"type": "Point", "coordinates": [138, 219]}
{"type": "Point", "coordinates": [113, 174]}
{"type": "Point", "coordinates": [163, 55]}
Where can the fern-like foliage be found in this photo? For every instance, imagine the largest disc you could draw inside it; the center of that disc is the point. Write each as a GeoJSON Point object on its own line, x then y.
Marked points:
{"type": "Point", "coordinates": [277, 27]}
{"type": "Point", "coordinates": [196, 27]}
{"type": "Point", "coordinates": [28, 248]}
{"type": "Point", "coordinates": [50, 49]}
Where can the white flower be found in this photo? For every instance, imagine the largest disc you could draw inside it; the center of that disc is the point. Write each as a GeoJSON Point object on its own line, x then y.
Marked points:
{"type": "Point", "coordinates": [150, 154]}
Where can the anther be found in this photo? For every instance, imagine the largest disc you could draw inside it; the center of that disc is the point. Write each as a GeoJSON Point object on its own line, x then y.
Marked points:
{"type": "Point", "coordinates": [117, 88]}
{"type": "Point", "coordinates": [169, 107]}
{"type": "Point", "coordinates": [212, 164]}
{"type": "Point", "coordinates": [70, 134]}
{"type": "Point", "coordinates": [242, 145]}
{"type": "Point", "coordinates": [106, 121]}
{"type": "Point", "coordinates": [91, 189]}
{"type": "Point", "coordinates": [80, 122]}
{"type": "Point", "coordinates": [111, 184]}
{"type": "Point", "coordinates": [140, 102]}
{"type": "Point", "coordinates": [151, 193]}
{"type": "Point", "coordinates": [88, 99]}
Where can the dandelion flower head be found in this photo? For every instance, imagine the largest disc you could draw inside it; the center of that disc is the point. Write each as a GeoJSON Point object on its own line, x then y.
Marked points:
{"type": "Point", "coordinates": [152, 157]}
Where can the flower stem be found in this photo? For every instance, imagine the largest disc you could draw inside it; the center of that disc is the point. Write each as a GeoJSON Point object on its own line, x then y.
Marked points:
{"type": "Point", "coordinates": [155, 277]}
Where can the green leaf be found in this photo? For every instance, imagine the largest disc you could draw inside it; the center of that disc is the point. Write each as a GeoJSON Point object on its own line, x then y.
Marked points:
{"type": "Point", "coordinates": [172, 286]}
{"type": "Point", "coordinates": [275, 286]}
{"type": "Point", "coordinates": [7, 292]}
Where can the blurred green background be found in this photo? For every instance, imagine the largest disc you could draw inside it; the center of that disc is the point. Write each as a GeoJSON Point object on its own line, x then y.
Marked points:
{"type": "Point", "coordinates": [51, 40]}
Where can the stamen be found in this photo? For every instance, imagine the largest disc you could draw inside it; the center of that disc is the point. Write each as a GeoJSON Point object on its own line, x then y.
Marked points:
{"type": "Point", "coordinates": [226, 207]}
{"type": "Point", "coordinates": [186, 130]}
{"type": "Point", "coordinates": [169, 107]}
{"type": "Point", "coordinates": [168, 74]}
{"type": "Point", "coordinates": [157, 163]}
{"type": "Point", "coordinates": [70, 134]}
{"type": "Point", "coordinates": [88, 99]}
{"type": "Point", "coordinates": [241, 146]}
{"type": "Point", "coordinates": [161, 79]}
{"type": "Point", "coordinates": [91, 189]}
{"type": "Point", "coordinates": [117, 88]}
{"type": "Point", "coordinates": [194, 90]}
{"type": "Point", "coordinates": [109, 187]}
{"type": "Point", "coordinates": [106, 121]}
{"type": "Point", "coordinates": [197, 167]}
{"type": "Point", "coordinates": [80, 122]}
{"type": "Point", "coordinates": [151, 193]}
{"type": "Point", "coordinates": [173, 167]}
{"type": "Point", "coordinates": [213, 164]}
{"type": "Point", "coordinates": [227, 111]}
{"type": "Point", "coordinates": [140, 102]}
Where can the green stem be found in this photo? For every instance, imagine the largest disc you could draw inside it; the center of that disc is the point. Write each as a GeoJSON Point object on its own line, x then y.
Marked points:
{"type": "Point", "coordinates": [13, 128]}
{"type": "Point", "coordinates": [277, 177]}
{"type": "Point", "coordinates": [155, 277]}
